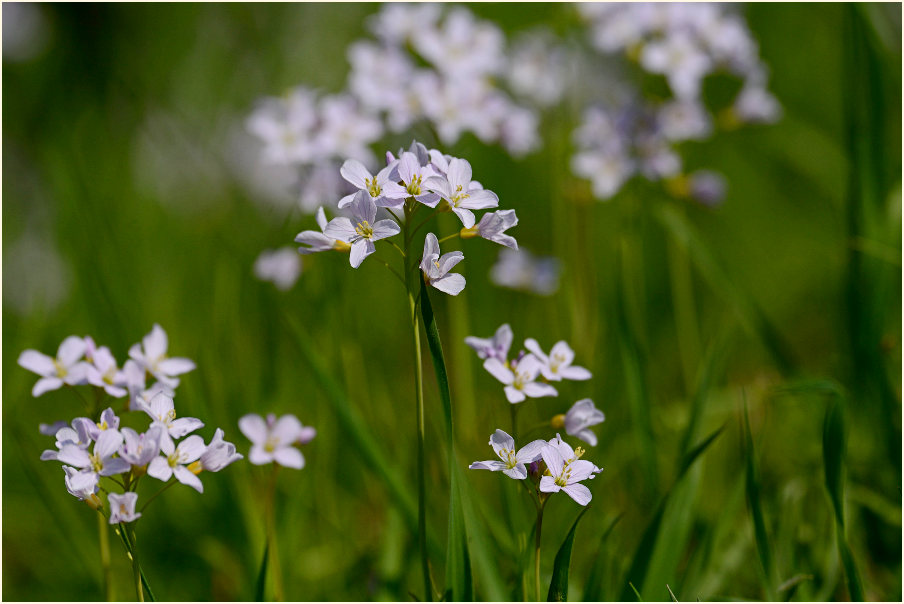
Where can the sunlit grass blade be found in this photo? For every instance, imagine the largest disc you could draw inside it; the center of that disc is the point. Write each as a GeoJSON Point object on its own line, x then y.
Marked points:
{"type": "Point", "coordinates": [593, 587]}
{"type": "Point", "coordinates": [636, 593]}
{"type": "Point", "coordinates": [833, 449]}
{"type": "Point", "coordinates": [645, 549]}
{"type": "Point", "coordinates": [358, 434]}
{"type": "Point", "coordinates": [148, 595]}
{"type": "Point", "coordinates": [260, 586]}
{"type": "Point", "coordinates": [761, 536]}
{"type": "Point", "coordinates": [749, 314]}
{"type": "Point", "coordinates": [558, 586]}
{"type": "Point", "coordinates": [459, 582]}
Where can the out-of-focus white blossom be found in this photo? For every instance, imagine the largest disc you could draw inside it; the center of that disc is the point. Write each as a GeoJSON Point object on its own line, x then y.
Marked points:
{"type": "Point", "coordinates": [521, 270]}
{"type": "Point", "coordinates": [282, 267]}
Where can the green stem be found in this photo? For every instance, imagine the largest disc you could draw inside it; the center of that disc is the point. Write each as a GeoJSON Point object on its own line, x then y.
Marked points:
{"type": "Point", "coordinates": [448, 237]}
{"type": "Point", "coordinates": [103, 534]}
{"type": "Point", "coordinates": [686, 325]}
{"type": "Point", "coordinates": [133, 556]}
{"type": "Point", "coordinates": [155, 495]}
{"type": "Point", "coordinates": [276, 571]}
{"type": "Point", "coordinates": [421, 485]}
{"type": "Point", "coordinates": [537, 551]}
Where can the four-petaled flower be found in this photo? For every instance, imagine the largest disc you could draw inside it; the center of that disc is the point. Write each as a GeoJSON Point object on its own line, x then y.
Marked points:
{"type": "Point", "coordinates": [174, 460]}
{"type": "Point", "coordinates": [219, 454]}
{"type": "Point", "coordinates": [383, 191]}
{"type": "Point", "coordinates": [272, 440]}
{"type": "Point", "coordinates": [318, 242]}
{"type": "Point", "coordinates": [414, 179]}
{"type": "Point", "coordinates": [557, 365]}
{"type": "Point", "coordinates": [520, 381]}
{"type": "Point", "coordinates": [513, 463]}
{"type": "Point", "coordinates": [578, 419]}
{"type": "Point", "coordinates": [496, 347]}
{"type": "Point", "coordinates": [436, 268]}
{"type": "Point", "coordinates": [364, 231]}
{"type": "Point", "coordinates": [566, 471]}
{"type": "Point", "coordinates": [122, 507]}
{"type": "Point", "coordinates": [462, 194]}
{"type": "Point", "coordinates": [163, 412]}
{"type": "Point", "coordinates": [101, 462]}
{"type": "Point", "coordinates": [151, 356]}
{"type": "Point", "coordinates": [492, 227]}
{"type": "Point", "coordinates": [67, 368]}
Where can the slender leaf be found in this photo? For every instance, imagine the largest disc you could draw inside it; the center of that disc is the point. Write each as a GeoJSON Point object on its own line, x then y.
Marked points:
{"type": "Point", "coordinates": [558, 586]}
{"type": "Point", "coordinates": [763, 545]}
{"type": "Point", "coordinates": [358, 433]}
{"type": "Point", "coordinates": [459, 582]}
{"type": "Point", "coordinates": [674, 599]}
{"type": "Point", "coordinates": [260, 586]}
{"type": "Point", "coordinates": [636, 593]}
{"type": "Point", "coordinates": [146, 587]}
{"type": "Point", "coordinates": [644, 552]}
{"type": "Point", "coordinates": [593, 588]}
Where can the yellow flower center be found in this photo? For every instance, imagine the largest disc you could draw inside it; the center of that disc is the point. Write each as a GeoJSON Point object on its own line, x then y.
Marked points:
{"type": "Point", "coordinates": [414, 187]}
{"type": "Point", "coordinates": [61, 371]}
{"type": "Point", "coordinates": [364, 229]}
{"type": "Point", "coordinates": [372, 187]}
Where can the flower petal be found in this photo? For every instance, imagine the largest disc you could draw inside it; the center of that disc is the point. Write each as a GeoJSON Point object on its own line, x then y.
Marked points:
{"type": "Point", "coordinates": [537, 390]}
{"type": "Point", "coordinates": [289, 457]}
{"type": "Point", "coordinates": [533, 347]}
{"type": "Point", "coordinates": [160, 469]}
{"type": "Point", "coordinates": [340, 228]}
{"type": "Point", "coordinates": [553, 459]}
{"type": "Point", "coordinates": [176, 366]}
{"type": "Point", "coordinates": [191, 449]}
{"type": "Point", "coordinates": [259, 456]}
{"type": "Point", "coordinates": [502, 443]}
{"type": "Point", "coordinates": [578, 492]}
{"type": "Point", "coordinates": [573, 372]}
{"type": "Point", "coordinates": [46, 384]}
{"type": "Point", "coordinates": [466, 216]}
{"type": "Point", "coordinates": [531, 451]}
{"type": "Point", "coordinates": [361, 249]}
{"type": "Point", "coordinates": [451, 284]}
{"type": "Point", "coordinates": [519, 472]}
{"type": "Point", "coordinates": [459, 173]}
{"type": "Point", "coordinates": [354, 172]}
{"type": "Point", "coordinates": [37, 362]}
{"type": "Point", "coordinates": [184, 425]}
{"type": "Point", "coordinates": [499, 371]}
{"type": "Point", "coordinates": [254, 428]}
{"type": "Point", "coordinates": [513, 394]}
{"type": "Point", "coordinates": [287, 429]}
{"type": "Point", "coordinates": [186, 476]}
{"type": "Point", "coordinates": [385, 228]}
{"type": "Point", "coordinates": [491, 465]}
{"type": "Point", "coordinates": [155, 343]}
{"type": "Point", "coordinates": [548, 485]}
{"type": "Point", "coordinates": [71, 350]}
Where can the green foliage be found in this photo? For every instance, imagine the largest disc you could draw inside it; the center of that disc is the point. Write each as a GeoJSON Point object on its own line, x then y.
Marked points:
{"type": "Point", "coordinates": [558, 586]}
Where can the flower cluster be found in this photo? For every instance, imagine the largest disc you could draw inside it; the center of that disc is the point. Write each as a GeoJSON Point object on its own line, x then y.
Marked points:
{"type": "Point", "coordinates": [96, 448]}
{"type": "Point", "coordinates": [553, 464]}
{"type": "Point", "coordinates": [684, 43]}
{"type": "Point", "coordinates": [272, 439]}
{"type": "Point", "coordinates": [418, 177]}
{"type": "Point", "coordinates": [530, 374]}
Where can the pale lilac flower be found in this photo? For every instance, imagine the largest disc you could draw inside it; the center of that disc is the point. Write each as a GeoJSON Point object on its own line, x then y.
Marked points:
{"type": "Point", "coordinates": [78, 435]}
{"type": "Point", "coordinates": [520, 382]}
{"type": "Point", "coordinates": [512, 464]}
{"type": "Point", "coordinates": [175, 458]}
{"type": "Point", "coordinates": [607, 171]}
{"type": "Point", "coordinates": [399, 22]}
{"type": "Point", "coordinates": [108, 421]}
{"type": "Point", "coordinates": [755, 104]}
{"type": "Point", "coordinates": [682, 61]}
{"type": "Point", "coordinates": [578, 419]}
{"type": "Point", "coordinates": [151, 356]}
{"type": "Point", "coordinates": [122, 507]}
{"type": "Point", "coordinates": [364, 231]}
{"type": "Point", "coordinates": [52, 429]}
{"type": "Point", "coordinates": [436, 268]}
{"type": "Point", "coordinates": [383, 191]}
{"type": "Point", "coordinates": [521, 270]}
{"type": "Point", "coordinates": [318, 242]}
{"type": "Point", "coordinates": [557, 366]}
{"type": "Point", "coordinates": [163, 413]}
{"type": "Point", "coordinates": [140, 449]}
{"type": "Point", "coordinates": [496, 347]}
{"type": "Point", "coordinates": [492, 227]}
{"type": "Point", "coordinates": [566, 472]}
{"type": "Point", "coordinates": [282, 267]}
{"type": "Point", "coordinates": [345, 130]}
{"type": "Point", "coordinates": [272, 440]}
{"type": "Point", "coordinates": [537, 69]}
{"type": "Point", "coordinates": [707, 187]}
{"type": "Point", "coordinates": [219, 453]}
{"type": "Point", "coordinates": [140, 397]}
{"type": "Point", "coordinates": [101, 461]}
{"type": "Point", "coordinates": [103, 373]}
{"type": "Point", "coordinates": [414, 177]}
{"type": "Point", "coordinates": [81, 484]}
{"type": "Point", "coordinates": [461, 193]}
{"type": "Point", "coordinates": [462, 47]}
{"type": "Point", "coordinates": [286, 127]}
{"type": "Point", "coordinates": [67, 368]}
{"type": "Point", "coordinates": [684, 120]}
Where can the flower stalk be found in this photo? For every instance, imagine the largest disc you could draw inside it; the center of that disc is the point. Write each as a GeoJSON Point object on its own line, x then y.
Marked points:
{"type": "Point", "coordinates": [103, 535]}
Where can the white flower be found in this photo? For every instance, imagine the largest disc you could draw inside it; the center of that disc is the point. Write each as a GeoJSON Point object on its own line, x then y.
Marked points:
{"type": "Point", "coordinates": [66, 368]}
{"type": "Point", "coordinates": [414, 176]}
{"type": "Point", "coordinates": [461, 193]}
{"type": "Point", "coordinates": [272, 439]}
{"type": "Point", "coordinates": [566, 471]}
{"type": "Point", "coordinates": [362, 234]}
{"type": "Point", "coordinates": [578, 419]}
{"type": "Point", "coordinates": [140, 449]}
{"type": "Point", "coordinates": [557, 365]}
{"type": "Point", "coordinates": [102, 371]}
{"type": "Point", "coordinates": [492, 227]}
{"type": "Point", "coordinates": [381, 189]}
{"type": "Point", "coordinates": [175, 460]}
{"type": "Point", "coordinates": [163, 414]}
{"type": "Point", "coordinates": [151, 356]}
{"type": "Point", "coordinates": [282, 267]}
{"type": "Point", "coordinates": [108, 421]}
{"type": "Point", "coordinates": [78, 435]}
{"type": "Point", "coordinates": [122, 507]}
{"type": "Point", "coordinates": [520, 381]}
{"type": "Point", "coordinates": [286, 126]}
{"type": "Point", "coordinates": [101, 461]}
{"type": "Point", "coordinates": [496, 347]}
{"type": "Point", "coordinates": [436, 268]}
{"type": "Point", "coordinates": [81, 484]}
{"type": "Point", "coordinates": [219, 453]}
{"type": "Point", "coordinates": [512, 464]}
{"type": "Point", "coordinates": [519, 269]}
{"type": "Point", "coordinates": [345, 130]}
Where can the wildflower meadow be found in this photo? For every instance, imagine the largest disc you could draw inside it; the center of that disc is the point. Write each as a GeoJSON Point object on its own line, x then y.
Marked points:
{"type": "Point", "coordinates": [452, 302]}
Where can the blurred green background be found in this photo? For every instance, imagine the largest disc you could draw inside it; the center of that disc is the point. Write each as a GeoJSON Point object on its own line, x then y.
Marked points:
{"type": "Point", "coordinates": [123, 206]}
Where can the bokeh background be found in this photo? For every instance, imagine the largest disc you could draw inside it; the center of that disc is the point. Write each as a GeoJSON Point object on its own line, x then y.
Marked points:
{"type": "Point", "coordinates": [127, 201]}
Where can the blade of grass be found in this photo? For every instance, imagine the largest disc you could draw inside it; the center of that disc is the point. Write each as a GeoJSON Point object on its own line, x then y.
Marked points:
{"type": "Point", "coordinates": [763, 545]}
{"type": "Point", "coordinates": [593, 588]}
{"type": "Point", "coordinates": [644, 552]}
{"type": "Point", "coordinates": [260, 586]}
{"type": "Point", "coordinates": [358, 433]}
{"type": "Point", "coordinates": [558, 586]}
{"type": "Point", "coordinates": [459, 582]}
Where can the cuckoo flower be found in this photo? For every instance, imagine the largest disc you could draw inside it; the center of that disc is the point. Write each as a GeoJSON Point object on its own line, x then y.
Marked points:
{"type": "Point", "coordinates": [122, 507]}
{"type": "Point", "coordinates": [163, 413]}
{"type": "Point", "coordinates": [140, 449]}
{"type": "Point", "coordinates": [557, 365]}
{"type": "Point", "coordinates": [496, 347]}
{"type": "Point", "coordinates": [67, 368]}
{"type": "Point", "coordinates": [151, 356]}
{"type": "Point", "coordinates": [462, 194]}
{"type": "Point", "coordinates": [381, 189]}
{"type": "Point", "coordinates": [436, 268]}
{"type": "Point", "coordinates": [492, 227]}
{"type": "Point", "coordinates": [414, 177]}
{"type": "Point", "coordinates": [318, 242]}
{"type": "Point", "coordinates": [219, 454]}
{"type": "Point", "coordinates": [578, 419]}
{"type": "Point", "coordinates": [80, 484]}
{"type": "Point", "coordinates": [520, 382]}
{"type": "Point", "coordinates": [364, 231]}
{"type": "Point", "coordinates": [512, 464]}
{"type": "Point", "coordinates": [103, 373]}
{"type": "Point", "coordinates": [272, 439]}
{"type": "Point", "coordinates": [101, 461]}
{"type": "Point", "coordinates": [175, 459]}
{"type": "Point", "coordinates": [566, 471]}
